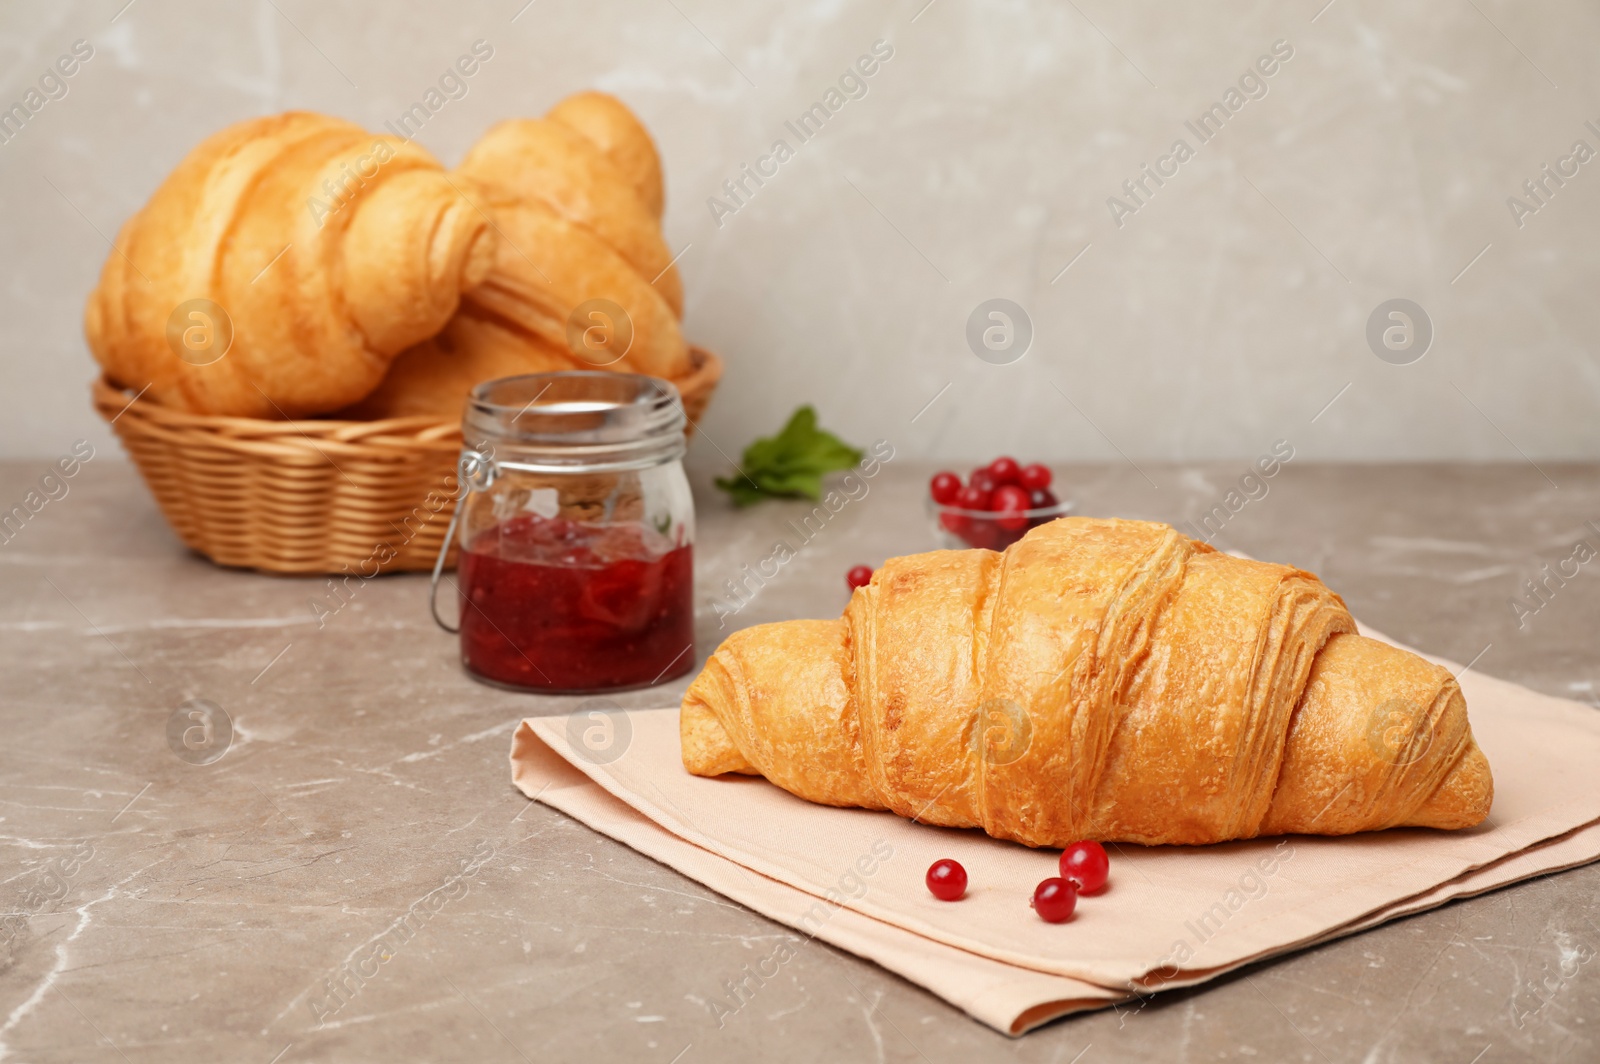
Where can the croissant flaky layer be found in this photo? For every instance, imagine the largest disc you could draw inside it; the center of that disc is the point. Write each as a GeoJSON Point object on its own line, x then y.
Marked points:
{"type": "Point", "coordinates": [1099, 679]}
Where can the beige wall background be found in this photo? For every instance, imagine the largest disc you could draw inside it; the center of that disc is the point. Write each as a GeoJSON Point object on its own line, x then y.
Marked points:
{"type": "Point", "coordinates": [1227, 312]}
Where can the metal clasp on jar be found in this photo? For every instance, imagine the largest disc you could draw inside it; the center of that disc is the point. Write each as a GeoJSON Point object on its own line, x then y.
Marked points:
{"type": "Point", "coordinates": [475, 471]}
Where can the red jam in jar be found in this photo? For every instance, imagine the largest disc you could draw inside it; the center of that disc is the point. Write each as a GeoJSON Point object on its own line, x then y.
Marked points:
{"type": "Point", "coordinates": [575, 530]}
{"type": "Point", "coordinates": [561, 605]}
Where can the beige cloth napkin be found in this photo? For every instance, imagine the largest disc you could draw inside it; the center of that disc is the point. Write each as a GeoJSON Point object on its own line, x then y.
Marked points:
{"type": "Point", "coordinates": [1172, 916]}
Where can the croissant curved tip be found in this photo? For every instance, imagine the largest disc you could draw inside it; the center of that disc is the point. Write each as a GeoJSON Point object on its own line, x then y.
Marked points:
{"type": "Point", "coordinates": [707, 749]}
{"type": "Point", "coordinates": [613, 127]}
{"type": "Point", "coordinates": [1463, 798]}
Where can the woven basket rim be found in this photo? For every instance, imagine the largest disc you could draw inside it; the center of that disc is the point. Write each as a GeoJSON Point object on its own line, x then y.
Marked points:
{"type": "Point", "coordinates": [267, 436]}
{"type": "Point", "coordinates": [322, 437]}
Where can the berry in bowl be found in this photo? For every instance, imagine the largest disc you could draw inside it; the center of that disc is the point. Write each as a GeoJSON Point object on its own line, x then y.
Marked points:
{"type": "Point", "coordinates": [995, 506]}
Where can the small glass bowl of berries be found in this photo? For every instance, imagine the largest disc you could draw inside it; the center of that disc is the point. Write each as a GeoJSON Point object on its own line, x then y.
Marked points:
{"type": "Point", "coordinates": [995, 506]}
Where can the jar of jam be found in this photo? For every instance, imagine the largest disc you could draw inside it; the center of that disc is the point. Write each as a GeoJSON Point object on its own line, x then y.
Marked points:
{"type": "Point", "coordinates": [576, 529]}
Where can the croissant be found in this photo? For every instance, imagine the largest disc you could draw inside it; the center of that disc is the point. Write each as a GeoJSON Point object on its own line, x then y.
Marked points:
{"type": "Point", "coordinates": [324, 250]}
{"type": "Point", "coordinates": [576, 197]}
{"type": "Point", "coordinates": [1099, 679]}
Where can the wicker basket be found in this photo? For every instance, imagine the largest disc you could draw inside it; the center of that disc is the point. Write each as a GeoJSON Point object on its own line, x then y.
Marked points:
{"type": "Point", "coordinates": [310, 496]}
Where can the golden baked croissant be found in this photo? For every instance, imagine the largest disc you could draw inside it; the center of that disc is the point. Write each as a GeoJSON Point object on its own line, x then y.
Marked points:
{"type": "Point", "coordinates": [328, 249]}
{"type": "Point", "coordinates": [1099, 679]}
{"type": "Point", "coordinates": [576, 197]}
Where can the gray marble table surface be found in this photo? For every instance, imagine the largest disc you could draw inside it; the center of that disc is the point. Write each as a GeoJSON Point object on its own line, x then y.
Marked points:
{"type": "Point", "coordinates": [157, 910]}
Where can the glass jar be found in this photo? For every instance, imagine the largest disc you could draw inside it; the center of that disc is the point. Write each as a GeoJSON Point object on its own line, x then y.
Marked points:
{"type": "Point", "coordinates": [576, 570]}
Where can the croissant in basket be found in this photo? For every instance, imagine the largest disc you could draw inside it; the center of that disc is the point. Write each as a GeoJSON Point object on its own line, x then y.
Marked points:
{"type": "Point", "coordinates": [1099, 679]}
{"type": "Point", "coordinates": [577, 198]}
{"type": "Point", "coordinates": [281, 267]}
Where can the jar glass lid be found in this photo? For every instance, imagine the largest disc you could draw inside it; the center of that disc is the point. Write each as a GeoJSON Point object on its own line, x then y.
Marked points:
{"type": "Point", "coordinates": [578, 418]}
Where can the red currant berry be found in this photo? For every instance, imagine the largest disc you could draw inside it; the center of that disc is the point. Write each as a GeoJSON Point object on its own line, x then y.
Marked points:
{"type": "Point", "coordinates": [1034, 477]}
{"type": "Point", "coordinates": [954, 523]}
{"type": "Point", "coordinates": [947, 880]}
{"type": "Point", "coordinates": [944, 487]}
{"type": "Point", "coordinates": [1042, 499]}
{"type": "Point", "coordinates": [859, 576]}
{"type": "Point", "coordinates": [973, 497]}
{"type": "Point", "coordinates": [982, 478]}
{"type": "Point", "coordinates": [1054, 900]}
{"type": "Point", "coordinates": [1005, 470]}
{"type": "Point", "coordinates": [1009, 497]}
{"type": "Point", "coordinates": [1086, 864]}
{"type": "Point", "coordinates": [1010, 502]}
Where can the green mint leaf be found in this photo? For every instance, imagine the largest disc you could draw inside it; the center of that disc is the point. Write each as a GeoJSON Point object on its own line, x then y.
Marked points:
{"type": "Point", "coordinates": [790, 464]}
